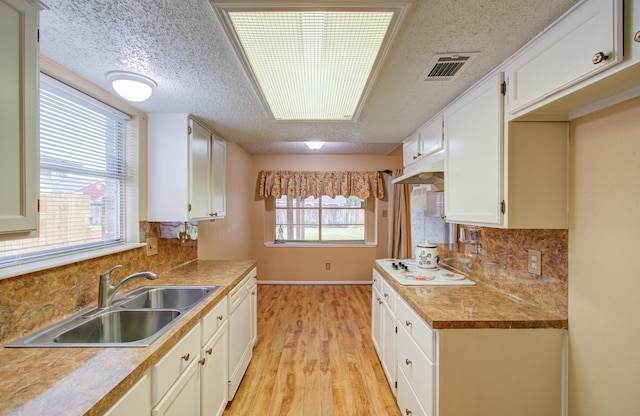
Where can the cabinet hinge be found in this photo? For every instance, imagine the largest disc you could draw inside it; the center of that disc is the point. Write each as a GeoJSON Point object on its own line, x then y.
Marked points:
{"type": "Point", "coordinates": [503, 88]}
{"type": "Point", "coordinates": [395, 384]}
{"type": "Point", "coordinates": [503, 206]}
{"type": "Point", "coordinates": [189, 208]}
{"type": "Point", "coordinates": [38, 205]}
{"type": "Point", "coordinates": [189, 130]}
{"type": "Point", "coordinates": [396, 329]}
{"type": "Point", "coordinates": [38, 35]}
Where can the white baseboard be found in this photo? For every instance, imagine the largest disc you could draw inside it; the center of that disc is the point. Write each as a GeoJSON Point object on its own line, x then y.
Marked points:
{"type": "Point", "coordinates": [314, 282]}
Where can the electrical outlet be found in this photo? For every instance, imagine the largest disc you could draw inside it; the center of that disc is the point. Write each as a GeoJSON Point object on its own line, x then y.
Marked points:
{"type": "Point", "coordinates": [327, 266]}
{"type": "Point", "coordinates": [152, 246]}
{"type": "Point", "coordinates": [535, 262]}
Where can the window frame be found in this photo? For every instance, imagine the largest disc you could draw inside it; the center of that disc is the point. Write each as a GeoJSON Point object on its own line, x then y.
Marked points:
{"type": "Point", "coordinates": [134, 132]}
{"type": "Point", "coordinates": [364, 205]}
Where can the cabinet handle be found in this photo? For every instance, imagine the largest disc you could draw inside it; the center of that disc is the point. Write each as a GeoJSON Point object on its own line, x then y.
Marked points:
{"type": "Point", "coordinates": [408, 412]}
{"type": "Point", "coordinates": [379, 301]}
{"type": "Point", "coordinates": [202, 361]}
{"type": "Point", "coordinates": [209, 351]}
{"type": "Point", "coordinates": [599, 57]}
{"type": "Point", "coordinates": [213, 214]}
{"type": "Point", "coordinates": [408, 323]}
{"type": "Point", "coordinates": [636, 37]}
{"type": "Point", "coordinates": [186, 357]}
{"type": "Point", "coordinates": [386, 295]}
{"type": "Point", "coordinates": [407, 361]}
{"type": "Point", "coordinates": [220, 317]}
{"type": "Point", "coordinates": [253, 292]}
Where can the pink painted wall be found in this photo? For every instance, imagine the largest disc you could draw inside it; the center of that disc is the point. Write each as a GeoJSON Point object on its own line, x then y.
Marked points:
{"type": "Point", "coordinates": [282, 263]}
{"type": "Point", "coordinates": [229, 238]}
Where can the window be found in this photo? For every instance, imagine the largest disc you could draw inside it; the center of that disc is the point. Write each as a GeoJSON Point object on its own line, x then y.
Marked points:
{"type": "Point", "coordinates": [321, 219]}
{"type": "Point", "coordinates": [83, 177]}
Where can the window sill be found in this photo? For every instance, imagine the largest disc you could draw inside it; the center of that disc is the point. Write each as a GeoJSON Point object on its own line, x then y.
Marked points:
{"type": "Point", "coordinates": [319, 245]}
{"type": "Point", "coordinates": [37, 266]}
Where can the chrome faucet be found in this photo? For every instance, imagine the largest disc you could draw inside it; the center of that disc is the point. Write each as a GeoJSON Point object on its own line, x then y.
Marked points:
{"type": "Point", "coordinates": [106, 291]}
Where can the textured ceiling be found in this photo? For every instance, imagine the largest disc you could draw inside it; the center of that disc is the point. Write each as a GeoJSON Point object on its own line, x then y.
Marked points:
{"type": "Point", "coordinates": [181, 45]}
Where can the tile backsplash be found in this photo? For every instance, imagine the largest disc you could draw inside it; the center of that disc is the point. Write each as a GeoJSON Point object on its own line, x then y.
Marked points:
{"type": "Point", "coordinates": [35, 300]}
{"type": "Point", "coordinates": [498, 258]}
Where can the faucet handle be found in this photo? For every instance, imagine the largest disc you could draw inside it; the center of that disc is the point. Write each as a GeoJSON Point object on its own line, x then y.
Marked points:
{"type": "Point", "coordinates": [107, 275]}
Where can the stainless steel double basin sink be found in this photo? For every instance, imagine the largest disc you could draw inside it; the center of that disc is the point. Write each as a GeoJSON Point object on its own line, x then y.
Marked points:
{"type": "Point", "coordinates": [135, 319]}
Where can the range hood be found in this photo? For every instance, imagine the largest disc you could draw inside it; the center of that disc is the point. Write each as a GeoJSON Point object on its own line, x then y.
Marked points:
{"type": "Point", "coordinates": [431, 173]}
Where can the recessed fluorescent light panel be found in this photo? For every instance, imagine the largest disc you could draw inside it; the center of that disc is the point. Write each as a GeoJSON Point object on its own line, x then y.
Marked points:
{"type": "Point", "coordinates": [309, 63]}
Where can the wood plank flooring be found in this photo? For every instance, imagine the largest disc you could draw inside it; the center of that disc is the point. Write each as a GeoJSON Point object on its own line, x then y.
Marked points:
{"type": "Point", "coordinates": [314, 355]}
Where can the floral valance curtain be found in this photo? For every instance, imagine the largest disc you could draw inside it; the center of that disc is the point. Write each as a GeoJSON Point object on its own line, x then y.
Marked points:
{"type": "Point", "coordinates": [277, 183]}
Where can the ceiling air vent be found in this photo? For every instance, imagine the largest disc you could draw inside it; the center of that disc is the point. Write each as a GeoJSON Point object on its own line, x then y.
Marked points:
{"type": "Point", "coordinates": [447, 67]}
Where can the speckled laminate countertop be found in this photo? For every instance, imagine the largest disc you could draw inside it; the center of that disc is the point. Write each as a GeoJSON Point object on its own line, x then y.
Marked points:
{"type": "Point", "coordinates": [479, 306]}
{"type": "Point", "coordinates": [78, 381]}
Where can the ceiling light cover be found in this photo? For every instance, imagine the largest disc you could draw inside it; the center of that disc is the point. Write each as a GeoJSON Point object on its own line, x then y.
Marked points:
{"type": "Point", "coordinates": [314, 145]}
{"type": "Point", "coordinates": [131, 86]}
{"type": "Point", "coordinates": [312, 64]}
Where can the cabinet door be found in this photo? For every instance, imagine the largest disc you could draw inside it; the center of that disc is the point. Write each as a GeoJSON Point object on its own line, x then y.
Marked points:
{"type": "Point", "coordinates": [567, 53]}
{"type": "Point", "coordinates": [199, 171]}
{"type": "Point", "coordinates": [376, 324]}
{"type": "Point", "coordinates": [473, 155]}
{"type": "Point", "coordinates": [19, 117]}
{"type": "Point", "coordinates": [389, 344]}
{"type": "Point", "coordinates": [183, 398]}
{"type": "Point", "coordinates": [239, 341]}
{"type": "Point", "coordinates": [219, 191]}
{"type": "Point", "coordinates": [136, 401]}
{"type": "Point", "coordinates": [213, 373]}
{"type": "Point", "coordinates": [411, 150]}
{"type": "Point", "coordinates": [431, 136]}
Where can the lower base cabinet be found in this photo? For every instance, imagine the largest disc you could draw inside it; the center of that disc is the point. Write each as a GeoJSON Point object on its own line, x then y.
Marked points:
{"type": "Point", "coordinates": [475, 372]}
{"type": "Point", "coordinates": [213, 373]}
{"type": "Point", "coordinates": [183, 398]}
{"type": "Point", "coordinates": [136, 401]}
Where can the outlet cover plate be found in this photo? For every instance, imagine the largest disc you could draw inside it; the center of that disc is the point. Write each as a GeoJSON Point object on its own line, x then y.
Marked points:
{"type": "Point", "coordinates": [535, 262]}
{"type": "Point", "coordinates": [152, 246]}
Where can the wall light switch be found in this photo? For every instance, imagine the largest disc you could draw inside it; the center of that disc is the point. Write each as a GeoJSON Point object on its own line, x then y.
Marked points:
{"type": "Point", "coordinates": [152, 246]}
{"type": "Point", "coordinates": [535, 262]}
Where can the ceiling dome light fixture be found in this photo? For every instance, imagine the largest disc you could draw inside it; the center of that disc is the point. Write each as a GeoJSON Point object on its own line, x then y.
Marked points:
{"type": "Point", "coordinates": [314, 145]}
{"type": "Point", "coordinates": [131, 86]}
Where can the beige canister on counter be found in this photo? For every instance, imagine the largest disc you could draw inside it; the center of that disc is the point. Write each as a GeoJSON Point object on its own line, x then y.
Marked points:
{"type": "Point", "coordinates": [427, 255]}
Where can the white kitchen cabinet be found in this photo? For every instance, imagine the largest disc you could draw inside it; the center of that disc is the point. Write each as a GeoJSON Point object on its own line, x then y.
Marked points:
{"type": "Point", "coordinates": [253, 291]}
{"type": "Point", "coordinates": [427, 140]}
{"type": "Point", "coordinates": [473, 155]}
{"type": "Point", "coordinates": [376, 313]}
{"type": "Point", "coordinates": [384, 327]}
{"type": "Point", "coordinates": [168, 377]}
{"type": "Point", "coordinates": [213, 372]}
{"type": "Point", "coordinates": [584, 42]}
{"type": "Point", "coordinates": [186, 170]}
{"type": "Point", "coordinates": [511, 175]}
{"type": "Point", "coordinates": [479, 371]}
{"type": "Point", "coordinates": [136, 401]}
{"type": "Point", "coordinates": [19, 158]}
{"type": "Point", "coordinates": [183, 398]}
{"type": "Point", "coordinates": [241, 320]}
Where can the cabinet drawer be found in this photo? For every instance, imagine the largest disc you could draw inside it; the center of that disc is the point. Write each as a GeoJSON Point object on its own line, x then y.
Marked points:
{"type": "Point", "coordinates": [377, 280]}
{"type": "Point", "coordinates": [417, 328]}
{"type": "Point", "coordinates": [389, 296]}
{"type": "Point", "coordinates": [418, 369]}
{"type": "Point", "coordinates": [407, 400]}
{"type": "Point", "coordinates": [166, 371]}
{"type": "Point", "coordinates": [213, 320]}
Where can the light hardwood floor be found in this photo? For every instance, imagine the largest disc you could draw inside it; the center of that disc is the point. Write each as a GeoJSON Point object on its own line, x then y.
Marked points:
{"type": "Point", "coordinates": [314, 355]}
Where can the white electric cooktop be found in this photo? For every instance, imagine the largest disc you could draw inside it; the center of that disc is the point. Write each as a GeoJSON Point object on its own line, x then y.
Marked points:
{"type": "Point", "coordinates": [407, 273]}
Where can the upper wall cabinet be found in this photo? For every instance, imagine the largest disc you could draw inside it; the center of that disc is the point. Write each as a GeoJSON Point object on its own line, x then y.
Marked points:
{"type": "Point", "coordinates": [511, 175]}
{"type": "Point", "coordinates": [18, 119]}
{"type": "Point", "coordinates": [186, 170]}
{"type": "Point", "coordinates": [586, 41]}
{"type": "Point", "coordinates": [427, 140]}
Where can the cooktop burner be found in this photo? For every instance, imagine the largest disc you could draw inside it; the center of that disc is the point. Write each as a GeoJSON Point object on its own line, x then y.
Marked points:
{"type": "Point", "coordinates": [407, 273]}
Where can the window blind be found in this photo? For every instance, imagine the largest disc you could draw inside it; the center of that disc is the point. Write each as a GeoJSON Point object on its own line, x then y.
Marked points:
{"type": "Point", "coordinates": [82, 176]}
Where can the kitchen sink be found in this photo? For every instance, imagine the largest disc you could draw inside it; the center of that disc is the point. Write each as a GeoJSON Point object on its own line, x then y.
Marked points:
{"type": "Point", "coordinates": [134, 319]}
{"type": "Point", "coordinates": [118, 327]}
{"type": "Point", "coordinates": [167, 297]}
